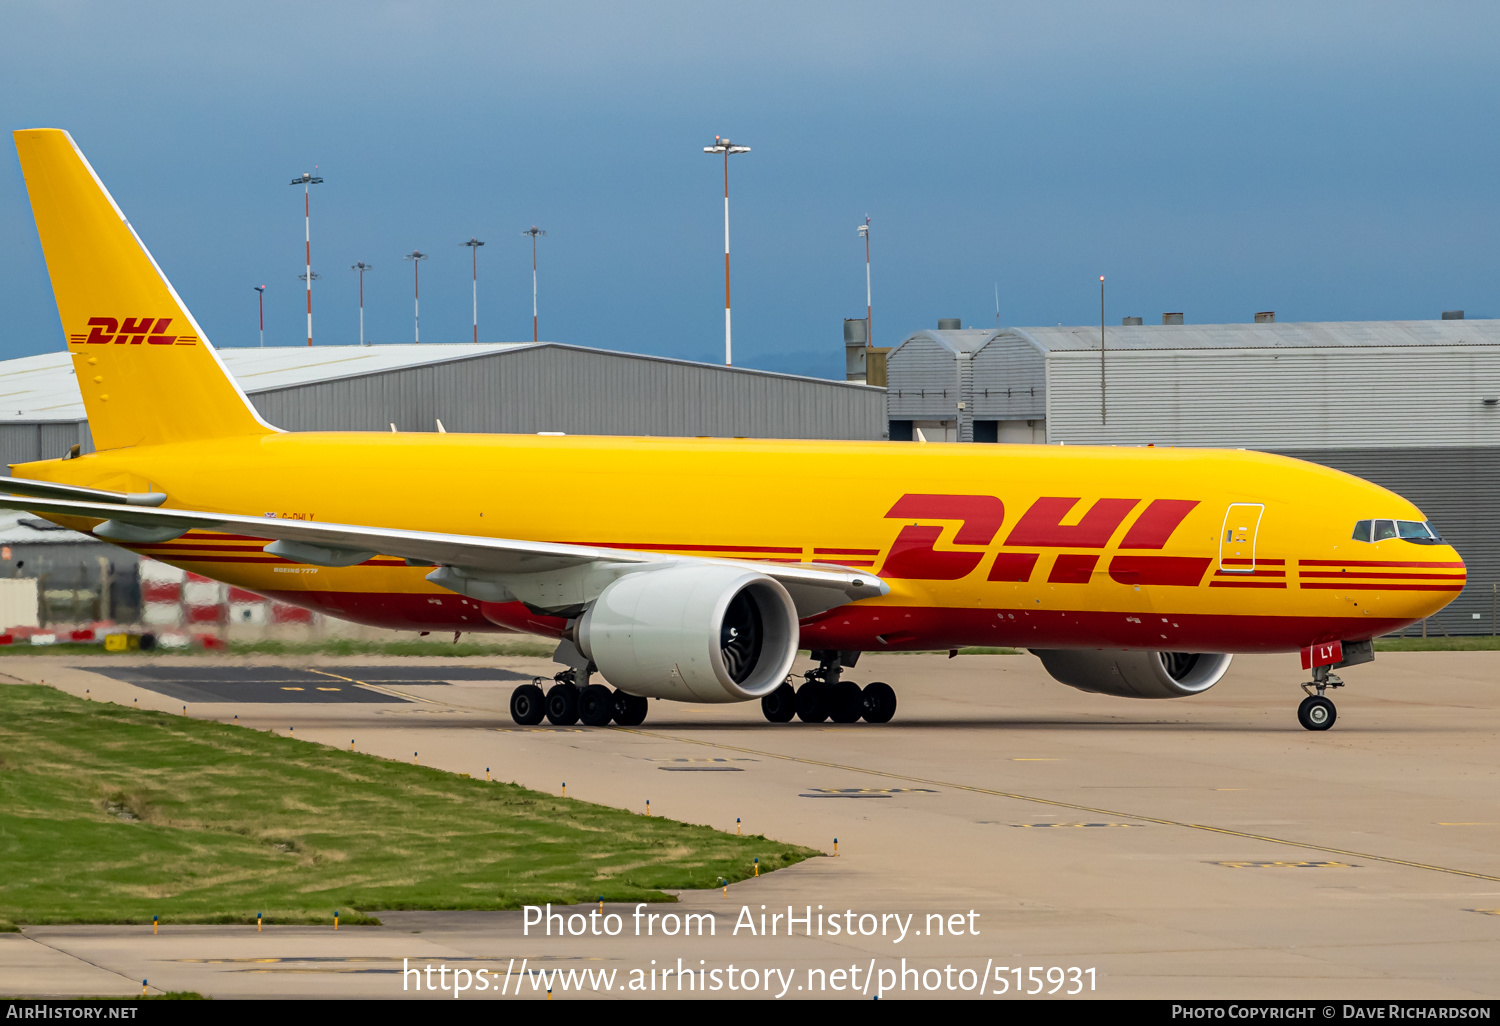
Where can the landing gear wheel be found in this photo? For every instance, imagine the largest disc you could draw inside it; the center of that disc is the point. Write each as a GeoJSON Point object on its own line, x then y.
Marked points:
{"type": "Point", "coordinates": [879, 702]}
{"type": "Point", "coordinates": [562, 705]}
{"type": "Point", "coordinates": [630, 710]}
{"type": "Point", "coordinates": [596, 705]}
{"type": "Point", "coordinates": [780, 705]}
{"type": "Point", "coordinates": [1316, 713]}
{"type": "Point", "coordinates": [812, 702]}
{"type": "Point", "coordinates": [846, 704]}
{"type": "Point", "coordinates": [526, 705]}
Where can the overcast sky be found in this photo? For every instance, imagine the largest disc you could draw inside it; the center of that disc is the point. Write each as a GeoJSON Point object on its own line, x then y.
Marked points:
{"type": "Point", "coordinates": [1328, 161]}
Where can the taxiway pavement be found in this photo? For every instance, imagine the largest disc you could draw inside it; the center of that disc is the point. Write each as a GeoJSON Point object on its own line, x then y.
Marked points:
{"type": "Point", "coordinates": [1200, 848]}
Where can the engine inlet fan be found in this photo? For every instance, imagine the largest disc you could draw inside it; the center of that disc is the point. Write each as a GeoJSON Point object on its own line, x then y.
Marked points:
{"type": "Point", "coordinates": [740, 636]}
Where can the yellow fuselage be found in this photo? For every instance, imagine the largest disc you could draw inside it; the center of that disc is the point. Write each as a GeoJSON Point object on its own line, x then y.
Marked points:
{"type": "Point", "coordinates": [1036, 546]}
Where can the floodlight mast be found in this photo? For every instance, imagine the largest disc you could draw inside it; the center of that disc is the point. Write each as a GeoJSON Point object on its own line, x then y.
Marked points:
{"type": "Point", "coordinates": [533, 231]}
{"type": "Point", "coordinates": [416, 257]}
{"type": "Point", "coordinates": [724, 146]}
{"type": "Point", "coordinates": [361, 267]}
{"type": "Point", "coordinates": [864, 233]}
{"type": "Point", "coordinates": [260, 296]}
{"type": "Point", "coordinates": [307, 181]}
{"type": "Point", "coordinates": [474, 245]}
{"type": "Point", "coordinates": [1103, 406]}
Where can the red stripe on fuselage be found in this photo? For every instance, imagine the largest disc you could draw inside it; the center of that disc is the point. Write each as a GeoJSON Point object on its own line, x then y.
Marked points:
{"type": "Point", "coordinates": [907, 628]}
{"type": "Point", "coordinates": [1357, 586]}
{"type": "Point", "coordinates": [1371, 562]}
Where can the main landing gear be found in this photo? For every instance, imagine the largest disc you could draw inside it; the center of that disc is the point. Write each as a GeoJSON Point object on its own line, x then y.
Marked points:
{"type": "Point", "coordinates": [1317, 712]}
{"type": "Point", "coordinates": [824, 695]}
{"type": "Point", "coordinates": [567, 702]}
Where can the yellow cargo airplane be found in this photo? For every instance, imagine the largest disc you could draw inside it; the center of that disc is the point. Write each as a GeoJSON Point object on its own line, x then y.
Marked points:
{"type": "Point", "coordinates": [692, 569]}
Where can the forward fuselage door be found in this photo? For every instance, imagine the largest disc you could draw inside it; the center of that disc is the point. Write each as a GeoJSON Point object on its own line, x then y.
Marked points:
{"type": "Point", "coordinates": [1237, 539]}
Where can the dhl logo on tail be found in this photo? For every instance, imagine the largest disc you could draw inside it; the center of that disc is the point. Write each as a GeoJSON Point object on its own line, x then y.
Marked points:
{"type": "Point", "coordinates": [131, 331]}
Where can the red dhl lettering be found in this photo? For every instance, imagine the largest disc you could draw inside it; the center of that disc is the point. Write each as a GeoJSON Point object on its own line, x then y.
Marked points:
{"type": "Point", "coordinates": [130, 331]}
{"type": "Point", "coordinates": [1042, 523]}
{"type": "Point", "coordinates": [914, 554]}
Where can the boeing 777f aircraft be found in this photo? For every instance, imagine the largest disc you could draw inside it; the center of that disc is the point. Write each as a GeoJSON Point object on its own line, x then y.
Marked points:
{"type": "Point", "coordinates": [1133, 572]}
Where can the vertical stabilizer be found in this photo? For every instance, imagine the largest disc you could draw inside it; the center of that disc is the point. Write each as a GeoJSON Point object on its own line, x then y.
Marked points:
{"type": "Point", "coordinates": [147, 374]}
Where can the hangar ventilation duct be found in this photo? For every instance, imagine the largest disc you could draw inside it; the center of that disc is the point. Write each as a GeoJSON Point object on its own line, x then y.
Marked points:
{"type": "Point", "coordinates": [1128, 321]}
{"type": "Point", "coordinates": [950, 323]}
{"type": "Point", "coordinates": [1171, 318]}
{"type": "Point", "coordinates": [1453, 315]}
{"type": "Point", "coordinates": [856, 345]}
{"type": "Point", "coordinates": [1266, 317]}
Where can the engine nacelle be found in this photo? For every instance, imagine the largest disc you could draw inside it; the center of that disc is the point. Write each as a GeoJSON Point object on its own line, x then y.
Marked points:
{"type": "Point", "coordinates": [703, 633]}
{"type": "Point", "coordinates": [1135, 674]}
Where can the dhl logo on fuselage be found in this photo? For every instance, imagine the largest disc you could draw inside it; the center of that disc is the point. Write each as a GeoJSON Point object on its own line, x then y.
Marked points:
{"type": "Point", "coordinates": [914, 555]}
{"type": "Point", "coordinates": [131, 331]}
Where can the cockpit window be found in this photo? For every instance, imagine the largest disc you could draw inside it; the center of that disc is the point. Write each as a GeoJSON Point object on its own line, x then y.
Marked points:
{"type": "Point", "coordinates": [1414, 531]}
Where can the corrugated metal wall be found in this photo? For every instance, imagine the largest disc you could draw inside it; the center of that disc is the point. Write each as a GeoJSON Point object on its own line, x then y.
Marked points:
{"type": "Point", "coordinates": [555, 388]}
{"type": "Point", "coordinates": [1459, 490]}
{"type": "Point", "coordinates": [1010, 381]}
{"type": "Point", "coordinates": [26, 441]}
{"type": "Point", "coordinates": [924, 381]}
{"type": "Point", "coordinates": [1279, 398]}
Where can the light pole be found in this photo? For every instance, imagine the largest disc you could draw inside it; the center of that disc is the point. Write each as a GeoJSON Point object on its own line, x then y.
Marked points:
{"type": "Point", "coordinates": [361, 267]}
{"type": "Point", "coordinates": [474, 245]}
{"type": "Point", "coordinates": [864, 233]}
{"type": "Point", "coordinates": [260, 298]}
{"type": "Point", "coordinates": [307, 181]}
{"type": "Point", "coordinates": [310, 277]}
{"type": "Point", "coordinates": [533, 231]}
{"type": "Point", "coordinates": [416, 257]}
{"type": "Point", "coordinates": [1103, 408]}
{"type": "Point", "coordinates": [725, 147]}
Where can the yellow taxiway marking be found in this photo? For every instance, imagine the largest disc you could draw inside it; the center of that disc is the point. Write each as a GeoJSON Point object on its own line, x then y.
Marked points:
{"type": "Point", "coordinates": [713, 759]}
{"type": "Point", "coordinates": [1286, 865]}
{"type": "Point", "coordinates": [1054, 803]}
{"type": "Point", "coordinates": [1035, 760]}
{"type": "Point", "coordinates": [1033, 825]}
{"type": "Point", "coordinates": [372, 687]}
{"type": "Point", "coordinates": [291, 689]}
{"type": "Point", "coordinates": [1485, 911]}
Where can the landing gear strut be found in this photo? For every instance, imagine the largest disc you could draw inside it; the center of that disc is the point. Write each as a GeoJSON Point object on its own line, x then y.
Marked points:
{"type": "Point", "coordinates": [1317, 712]}
{"type": "Point", "coordinates": [572, 698]}
{"type": "Point", "coordinates": [825, 695]}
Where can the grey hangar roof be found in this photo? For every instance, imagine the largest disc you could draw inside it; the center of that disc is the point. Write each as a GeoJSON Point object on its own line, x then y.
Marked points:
{"type": "Point", "coordinates": [504, 388]}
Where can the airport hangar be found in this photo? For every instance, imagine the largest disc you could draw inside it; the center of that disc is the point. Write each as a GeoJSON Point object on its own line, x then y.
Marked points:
{"type": "Point", "coordinates": [1413, 406]}
{"type": "Point", "coordinates": [488, 387]}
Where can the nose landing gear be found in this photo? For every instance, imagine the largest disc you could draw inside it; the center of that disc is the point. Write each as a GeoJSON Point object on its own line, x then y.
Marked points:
{"type": "Point", "coordinates": [1317, 711]}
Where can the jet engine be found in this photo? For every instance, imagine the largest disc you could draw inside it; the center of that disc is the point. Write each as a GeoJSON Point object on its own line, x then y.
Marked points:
{"type": "Point", "coordinates": [696, 633]}
{"type": "Point", "coordinates": [1135, 674]}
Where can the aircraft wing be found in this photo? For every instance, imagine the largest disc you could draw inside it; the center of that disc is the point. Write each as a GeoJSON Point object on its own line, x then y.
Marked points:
{"type": "Point", "coordinates": [490, 569]}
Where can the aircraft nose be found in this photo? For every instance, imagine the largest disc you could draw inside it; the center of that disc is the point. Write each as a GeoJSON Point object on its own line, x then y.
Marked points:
{"type": "Point", "coordinates": [1448, 575]}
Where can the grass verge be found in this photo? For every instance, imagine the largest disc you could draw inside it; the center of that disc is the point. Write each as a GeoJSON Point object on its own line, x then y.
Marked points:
{"type": "Point", "coordinates": [111, 815]}
{"type": "Point", "coordinates": [1467, 643]}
